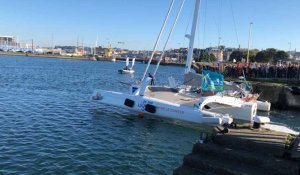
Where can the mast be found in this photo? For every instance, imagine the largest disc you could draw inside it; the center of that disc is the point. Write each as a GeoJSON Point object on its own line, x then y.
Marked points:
{"type": "Point", "coordinates": [96, 45]}
{"type": "Point", "coordinates": [248, 51]}
{"type": "Point", "coordinates": [82, 46]}
{"type": "Point", "coordinates": [32, 45]}
{"type": "Point", "coordinates": [192, 38]}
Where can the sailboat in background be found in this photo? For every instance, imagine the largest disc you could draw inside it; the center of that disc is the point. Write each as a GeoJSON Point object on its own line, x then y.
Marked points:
{"type": "Point", "coordinates": [127, 69]}
{"type": "Point", "coordinates": [114, 57]}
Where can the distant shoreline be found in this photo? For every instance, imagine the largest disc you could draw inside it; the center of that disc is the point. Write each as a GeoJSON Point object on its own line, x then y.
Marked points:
{"type": "Point", "coordinates": [83, 58]}
{"type": "Point", "coordinates": [46, 56]}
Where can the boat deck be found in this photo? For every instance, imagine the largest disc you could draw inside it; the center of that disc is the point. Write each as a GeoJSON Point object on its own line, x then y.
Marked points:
{"type": "Point", "coordinates": [171, 95]}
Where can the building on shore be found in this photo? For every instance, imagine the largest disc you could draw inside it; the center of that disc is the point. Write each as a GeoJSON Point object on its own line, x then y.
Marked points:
{"type": "Point", "coordinates": [104, 52]}
{"type": "Point", "coordinates": [10, 43]}
{"type": "Point", "coordinates": [227, 52]}
{"type": "Point", "coordinates": [297, 56]}
{"type": "Point", "coordinates": [294, 55]}
{"type": "Point", "coordinates": [216, 51]}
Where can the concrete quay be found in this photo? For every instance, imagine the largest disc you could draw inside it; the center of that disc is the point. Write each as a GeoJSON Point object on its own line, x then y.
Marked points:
{"type": "Point", "coordinates": [281, 97]}
{"type": "Point", "coordinates": [242, 151]}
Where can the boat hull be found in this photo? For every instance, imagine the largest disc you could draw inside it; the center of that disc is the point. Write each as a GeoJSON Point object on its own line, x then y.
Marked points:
{"type": "Point", "coordinates": [264, 106]}
{"type": "Point", "coordinates": [235, 107]}
{"type": "Point", "coordinates": [158, 108]}
{"type": "Point", "coordinates": [122, 71]}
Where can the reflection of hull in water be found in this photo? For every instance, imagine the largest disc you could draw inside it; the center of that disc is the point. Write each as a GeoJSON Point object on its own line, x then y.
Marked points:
{"type": "Point", "coordinates": [124, 71]}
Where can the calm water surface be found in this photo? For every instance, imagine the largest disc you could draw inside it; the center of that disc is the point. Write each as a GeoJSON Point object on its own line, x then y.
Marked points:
{"type": "Point", "coordinates": [50, 125]}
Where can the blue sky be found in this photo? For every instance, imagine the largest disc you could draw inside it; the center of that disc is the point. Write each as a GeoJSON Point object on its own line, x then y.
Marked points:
{"type": "Point", "coordinates": [137, 22]}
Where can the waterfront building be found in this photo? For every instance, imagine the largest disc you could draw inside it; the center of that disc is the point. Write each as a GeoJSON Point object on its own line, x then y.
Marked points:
{"type": "Point", "coordinates": [216, 51]}
{"type": "Point", "coordinates": [227, 53]}
{"type": "Point", "coordinates": [297, 56]}
{"type": "Point", "coordinates": [10, 43]}
{"type": "Point", "coordinates": [294, 55]}
{"type": "Point", "coordinates": [104, 52]}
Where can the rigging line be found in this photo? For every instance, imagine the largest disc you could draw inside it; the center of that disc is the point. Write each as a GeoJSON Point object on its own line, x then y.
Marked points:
{"type": "Point", "coordinates": [174, 24]}
{"type": "Point", "coordinates": [220, 18]}
{"type": "Point", "coordinates": [198, 33]}
{"type": "Point", "coordinates": [186, 81]}
{"type": "Point", "coordinates": [198, 36]}
{"type": "Point", "coordinates": [236, 34]}
{"type": "Point", "coordinates": [204, 24]}
{"type": "Point", "coordinates": [184, 38]}
{"type": "Point", "coordinates": [158, 38]}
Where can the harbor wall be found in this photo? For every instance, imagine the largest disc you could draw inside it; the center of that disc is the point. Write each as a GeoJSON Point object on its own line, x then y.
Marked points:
{"type": "Point", "coordinates": [281, 97]}
{"type": "Point", "coordinates": [243, 150]}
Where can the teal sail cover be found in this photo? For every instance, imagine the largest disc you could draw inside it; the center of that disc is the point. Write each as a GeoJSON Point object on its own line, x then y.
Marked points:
{"type": "Point", "coordinates": [212, 81]}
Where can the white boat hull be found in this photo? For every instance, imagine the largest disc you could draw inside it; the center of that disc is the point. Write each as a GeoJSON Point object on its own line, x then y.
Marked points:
{"type": "Point", "coordinates": [263, 106]}
{"type": "Point", "coordinates": [235, 107]}
{"type": "Point", "coordinates": [122, 71]}
{"type": "Point", "coordinates": [160, 108]}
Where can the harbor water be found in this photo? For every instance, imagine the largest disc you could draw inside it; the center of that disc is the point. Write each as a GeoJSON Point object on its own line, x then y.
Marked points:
{"type": "Point", "coordinates": [50, 125]}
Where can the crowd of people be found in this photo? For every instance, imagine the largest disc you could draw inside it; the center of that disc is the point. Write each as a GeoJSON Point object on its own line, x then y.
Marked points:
{"type": "Point", "coordinates": [257, 70]}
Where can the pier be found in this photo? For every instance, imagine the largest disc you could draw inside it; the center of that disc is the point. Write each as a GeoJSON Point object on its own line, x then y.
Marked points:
{"type": "Point", "coordinates": [145, 60]}
{"type": "Point", "coordinates": [280, 96]}
{"type": "Point", "coordinates": [243, 151]}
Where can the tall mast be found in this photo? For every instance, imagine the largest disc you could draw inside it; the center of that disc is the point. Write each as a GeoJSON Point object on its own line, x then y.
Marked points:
{"type": "Point", "coordinates": [32, 45]}
{"type": "Point", "coordinates": [82, 46]}
{"type": "Point", "coordinates": [192, 38]}
{"type": "Point", "coordinates": [96, 45]}
{"type": "Point", "coordinates": [248, 51]}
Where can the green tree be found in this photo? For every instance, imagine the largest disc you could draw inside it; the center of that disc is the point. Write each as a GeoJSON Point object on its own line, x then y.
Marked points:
{"type": "Point", "coordinates": [261, 56]}
{"type": "Point", "coordinates": [203, 57]}
{"type": "Point", "coordinates": [212, 58]}
{"type": "Point", "coordinates": [266, 55]}
{"type": "Point", "coordinates": [270, 54]}
{"type": "Point", "coordinates": [280, 55]}
{"type": "Point", "coordinates": [237, 55]}
{"type": "Point", "coordinates": [252, 54]}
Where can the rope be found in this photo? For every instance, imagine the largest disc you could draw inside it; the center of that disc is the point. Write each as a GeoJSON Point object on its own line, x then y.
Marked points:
{"type": "Point", "coordinates": [158, 38]}
{"type": "Point", "coordinates": [204, 24]}
{"type": "Point", "coordinates": [236, 34]}
{"type": "Point", "coordinates": [174, 24]}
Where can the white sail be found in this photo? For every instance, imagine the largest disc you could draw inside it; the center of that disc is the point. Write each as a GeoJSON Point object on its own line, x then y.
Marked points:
{"type": "Point", "coordinates": [127, 61]}
{"type": "Point", "coordinates": [132, 63]}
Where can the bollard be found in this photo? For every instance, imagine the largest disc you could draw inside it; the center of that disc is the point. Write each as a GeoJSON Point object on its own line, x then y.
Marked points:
{"type": "Point", "coordinates": [203, 137]}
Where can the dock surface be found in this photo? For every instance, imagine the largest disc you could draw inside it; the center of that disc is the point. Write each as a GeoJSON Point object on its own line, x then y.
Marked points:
{"type": "Point", "coordinates": [241, 151]}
